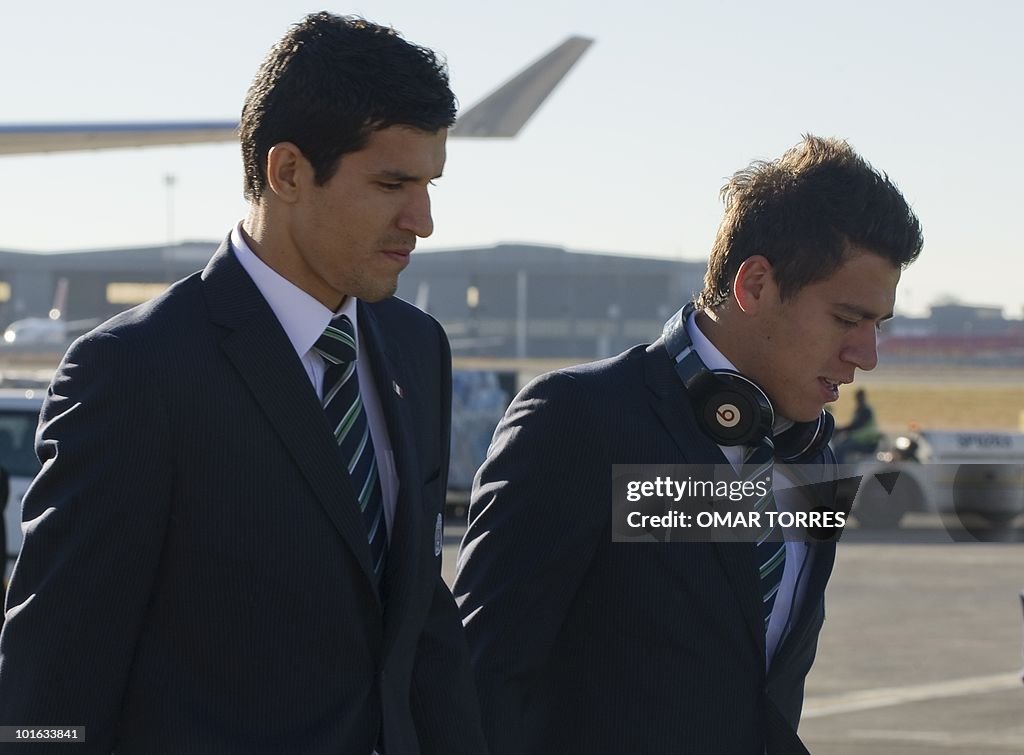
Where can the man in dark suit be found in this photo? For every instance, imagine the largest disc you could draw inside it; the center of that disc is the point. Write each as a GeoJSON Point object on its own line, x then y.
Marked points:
{"type": "Point", "coordinates": [585, 645]}
{"type": "Point", "coordinates": [234, 542]}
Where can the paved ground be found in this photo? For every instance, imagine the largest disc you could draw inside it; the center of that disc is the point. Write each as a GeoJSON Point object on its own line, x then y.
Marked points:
{"type": "Point", "coordinates": [921, 651]}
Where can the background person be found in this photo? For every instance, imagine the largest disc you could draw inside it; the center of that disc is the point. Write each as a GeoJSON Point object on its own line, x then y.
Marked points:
{"type": "Point", "coordinates": [861, 435]}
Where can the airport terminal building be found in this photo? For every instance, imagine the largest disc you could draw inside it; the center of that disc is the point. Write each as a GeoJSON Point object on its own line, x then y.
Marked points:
{"type": "Point", "coordinates": [509, 300]}
{"type": "Point", "coordinates": [99, 283]}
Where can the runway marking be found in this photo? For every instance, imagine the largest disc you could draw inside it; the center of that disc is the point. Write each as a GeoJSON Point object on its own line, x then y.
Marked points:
{"type": "Point", "coordinates": [886, 697]}
{"type": "Point", "coordinates": [975, 740]}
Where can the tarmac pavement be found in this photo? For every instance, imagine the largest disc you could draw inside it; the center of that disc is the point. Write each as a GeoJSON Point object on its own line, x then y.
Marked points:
{"type": "Point", "coordinates": [922, 646]}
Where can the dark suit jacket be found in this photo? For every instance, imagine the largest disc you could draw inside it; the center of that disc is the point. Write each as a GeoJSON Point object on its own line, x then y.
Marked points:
{"type": "Point", "coordinates": [582, 645]}
{"type": "Point", "coordinates": [196, 578]}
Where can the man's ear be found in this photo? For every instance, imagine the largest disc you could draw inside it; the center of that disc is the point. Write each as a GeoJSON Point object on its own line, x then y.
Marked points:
{"type": "Point", "coordinates": [753, 282]}
{"type": "Point", "coordinates": [287, 171]}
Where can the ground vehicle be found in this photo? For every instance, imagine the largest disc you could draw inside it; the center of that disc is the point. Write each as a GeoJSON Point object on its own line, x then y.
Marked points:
{"type": "Point", "coordinates": [966, 474]}
{"type": "Point", "coordinates": [19, 415]}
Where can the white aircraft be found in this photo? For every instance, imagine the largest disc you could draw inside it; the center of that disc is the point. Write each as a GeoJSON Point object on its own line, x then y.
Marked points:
{"type": "Point", "coordinates": [46, 333]}
{"type": "Point", "coordinates": [502, 114]}
{"type": "Point", "coordinates": [499, 115]}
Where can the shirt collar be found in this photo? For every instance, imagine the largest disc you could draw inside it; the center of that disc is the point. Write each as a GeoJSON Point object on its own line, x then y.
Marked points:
{"type": "Point", "coordinates": [709, 354]}
{"type": "Point", "coordinates": [302, 317]}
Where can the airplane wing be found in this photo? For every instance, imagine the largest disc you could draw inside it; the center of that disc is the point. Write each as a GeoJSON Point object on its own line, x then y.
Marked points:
{"type": "Point", "coordinates": [32, 138]}
{"type": "Point", "coordinates": [500, 115]}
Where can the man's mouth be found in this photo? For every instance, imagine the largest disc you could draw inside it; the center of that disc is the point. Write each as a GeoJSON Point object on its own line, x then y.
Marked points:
{"type": "Point", "coordinates": [399, 254]}
{"type": "Point", "coordinates": [831, 387]}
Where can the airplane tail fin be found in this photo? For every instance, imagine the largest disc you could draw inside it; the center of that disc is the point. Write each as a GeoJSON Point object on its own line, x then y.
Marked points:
{"type": "Point", "coordinates": [507, 109]}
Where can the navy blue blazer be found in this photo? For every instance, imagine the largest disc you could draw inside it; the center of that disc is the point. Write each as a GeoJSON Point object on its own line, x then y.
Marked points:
{"type": "Point", "coordinates": [580, 644]}
{"type": "Point", "coordinates": [196, 575]}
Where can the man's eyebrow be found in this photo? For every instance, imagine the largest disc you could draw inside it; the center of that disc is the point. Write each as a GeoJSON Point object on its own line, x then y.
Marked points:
{"type": "Point", "coordinates": [864, 313]}
{"type": "Point", "coordinates": [399, 176]}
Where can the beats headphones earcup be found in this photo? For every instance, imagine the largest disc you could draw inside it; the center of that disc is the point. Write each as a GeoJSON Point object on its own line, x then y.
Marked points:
{"type": "Point", "coordinates": [731, 410]}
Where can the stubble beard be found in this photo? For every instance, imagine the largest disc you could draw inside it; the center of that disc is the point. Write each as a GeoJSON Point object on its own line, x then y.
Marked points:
{"type": "Point", "coordinates": [370, 290]}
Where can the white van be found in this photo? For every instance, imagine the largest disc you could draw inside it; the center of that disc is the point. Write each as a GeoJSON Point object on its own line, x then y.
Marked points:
{"type": "Point", "coordinates": [944, 472]}
{"type": "Point", "coordinates": [19, 416]}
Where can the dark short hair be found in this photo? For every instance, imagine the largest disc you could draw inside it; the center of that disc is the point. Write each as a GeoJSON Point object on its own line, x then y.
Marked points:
{"type": "Point", "coordinates": [328, 84]}
{"type": "Point", "coordinates": [803, 212]}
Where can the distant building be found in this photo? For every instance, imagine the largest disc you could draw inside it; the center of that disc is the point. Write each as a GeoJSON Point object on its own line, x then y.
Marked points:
{"type": "Point", "coordinates": [964, 319]}
{"type": "Point", "coordinates": [99, 283]}
{"type": "Point", "coordinates": [507, 300]}
{"type": "Point", "coordinates": [518, 300]}
{"type": "Point", "coordinates": [959, 334]}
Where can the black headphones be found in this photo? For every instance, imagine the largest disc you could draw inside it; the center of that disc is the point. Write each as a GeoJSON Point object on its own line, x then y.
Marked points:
{"type": "Point", "coordinates": [732, 409]}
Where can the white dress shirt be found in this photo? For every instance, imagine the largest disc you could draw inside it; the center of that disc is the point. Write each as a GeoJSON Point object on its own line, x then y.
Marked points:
{"type": "Point", "coordinates": [304, 319]}
{"type": "Point", "coordinates": [790, 597]}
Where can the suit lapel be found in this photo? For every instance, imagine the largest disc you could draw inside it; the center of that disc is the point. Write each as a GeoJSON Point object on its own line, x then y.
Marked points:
{"type": "Point", "coordinates": [670, 402]}
{"type": "Point", "coordinates": [395, 389]}
{"type": "Point", "coordinates": [266, 361]}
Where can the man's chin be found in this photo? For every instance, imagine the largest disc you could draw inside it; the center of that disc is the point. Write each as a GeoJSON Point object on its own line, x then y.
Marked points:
{"type": "Point", "coordinates": [806, 412]}
{"type": "Point", "coordinates": [811, 417]}
{"type": "Point", "coordinates": [378, 293]}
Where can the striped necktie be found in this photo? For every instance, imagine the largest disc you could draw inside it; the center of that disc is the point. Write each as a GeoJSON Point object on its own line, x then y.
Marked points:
{"type": "Point", "coordinates": [770, 552]}
{"type": "Point", "coordinates": [344, 409]}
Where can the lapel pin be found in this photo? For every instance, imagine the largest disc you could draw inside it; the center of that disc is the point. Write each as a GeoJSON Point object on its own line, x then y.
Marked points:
{"type": "Point", "coordinates": [398, 389]}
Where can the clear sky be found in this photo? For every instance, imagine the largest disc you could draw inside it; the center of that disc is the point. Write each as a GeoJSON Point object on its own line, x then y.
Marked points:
{"type": "Point", "coordinates": [626, 157]}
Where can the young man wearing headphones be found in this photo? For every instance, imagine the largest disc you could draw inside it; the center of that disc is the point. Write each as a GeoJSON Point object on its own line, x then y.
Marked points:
{"type": "Point", "coordinates": [582, 644]}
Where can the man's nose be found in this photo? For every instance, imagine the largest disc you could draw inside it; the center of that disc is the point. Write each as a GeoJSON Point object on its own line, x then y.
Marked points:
{"type": "Point", "coordinates": [861, 349]}
{"type": "Point", "coordinates": [416, 216]}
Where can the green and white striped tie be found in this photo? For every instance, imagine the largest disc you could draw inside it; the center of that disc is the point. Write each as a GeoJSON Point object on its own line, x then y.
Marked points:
{"type": "Point", "coordinates": [770, 551]}
{"type": "Point", "coordinates": [343, 406]}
